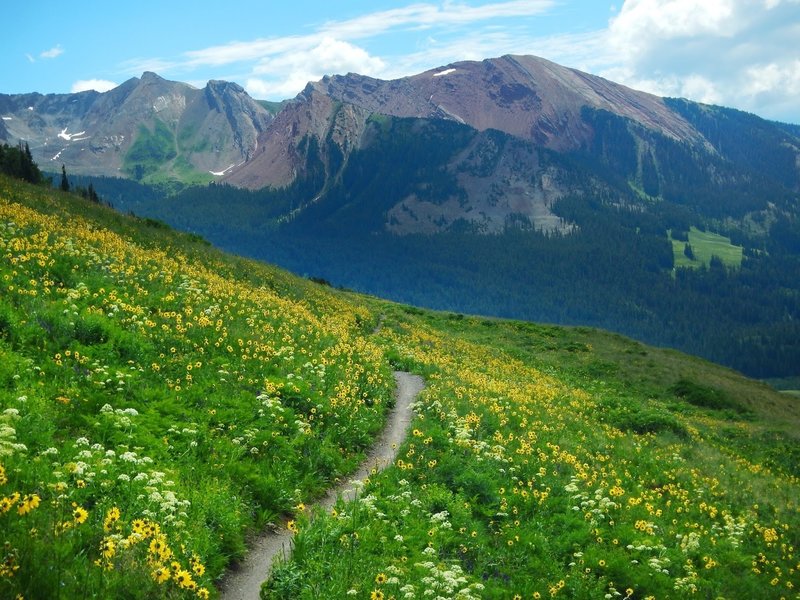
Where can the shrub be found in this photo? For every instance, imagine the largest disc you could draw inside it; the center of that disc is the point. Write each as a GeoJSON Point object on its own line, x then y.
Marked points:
{"type": "Point", "coordinates": [90, 330]}
{"type": "Point", "coordinates": [703, 396]}
{"type": "Point", "coordinates": [646, 420]}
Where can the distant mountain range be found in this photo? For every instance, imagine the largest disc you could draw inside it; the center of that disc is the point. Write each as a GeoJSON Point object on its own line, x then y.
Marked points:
{"type": "Point", "coordinates": [511, 186]}
{"type": "Point", "coordinates": [147, 128]}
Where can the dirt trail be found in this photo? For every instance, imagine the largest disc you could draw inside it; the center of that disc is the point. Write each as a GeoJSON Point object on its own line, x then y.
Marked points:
{"type": "Point", "coordinates": [245, 582]}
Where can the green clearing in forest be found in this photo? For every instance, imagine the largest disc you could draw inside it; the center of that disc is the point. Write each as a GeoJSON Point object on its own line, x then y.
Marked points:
{"type": "Point", "coordinates": [705, 245]}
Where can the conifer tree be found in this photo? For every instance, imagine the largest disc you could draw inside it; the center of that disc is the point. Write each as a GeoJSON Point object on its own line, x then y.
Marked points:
{"type": "Point", "coordinates": [64, 180]}
{"type": "Point", "coordinates": [28, 167]}
{"type": "Point", "coordinates": [93, 197]}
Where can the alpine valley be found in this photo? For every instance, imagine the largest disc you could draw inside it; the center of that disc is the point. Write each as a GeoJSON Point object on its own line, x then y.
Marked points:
{"type": "Point", "coordinates": [509, 187]}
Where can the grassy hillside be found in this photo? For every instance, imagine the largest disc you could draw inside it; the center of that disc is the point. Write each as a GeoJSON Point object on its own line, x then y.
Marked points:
{"type": "Point", "coordinates": [158, 400]}
{"type": "Point", "coordinates": [162, 157]}
{"type": "Point", "coordinates": [553, 462]}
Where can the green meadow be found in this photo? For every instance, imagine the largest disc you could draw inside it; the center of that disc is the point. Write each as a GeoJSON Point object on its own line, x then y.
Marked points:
{"type": "Point", "coordinates": [705, 245]}
{"type": "Point", "coordinates": [161, 401]}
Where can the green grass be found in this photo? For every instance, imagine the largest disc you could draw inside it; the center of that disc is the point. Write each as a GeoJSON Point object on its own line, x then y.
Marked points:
{"type": "Point", "coordinates": [185, 172]}
{"type": "Point", "coordinates": [157, 158]}
{"type": "Point", "coordinates": [564, 462]}
{"type": "Point", "coordinates": [160, 400]}
{"type": "Point", "coordinates": [150, 151]}
{"type": "Point", "coordinates": [704, 245]}
{"type": "Point", "coordinates": [273, 107]}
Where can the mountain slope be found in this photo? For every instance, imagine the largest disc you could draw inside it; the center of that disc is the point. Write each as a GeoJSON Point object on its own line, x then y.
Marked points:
{"type": "Point", "coordinates": [147, 128]}
{"type": "Point", "coordinates": [524, 96]}
{"type": "Point", "coordinates": [159, 400]}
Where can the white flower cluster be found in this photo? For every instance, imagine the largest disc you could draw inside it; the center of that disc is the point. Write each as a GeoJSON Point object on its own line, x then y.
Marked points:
{"type": "Point", "coordinates": [596, 508]}
{"type": "Point", "coordinates": [8, 439]}
{"type": "Point", "coordinates": [440, 520]}
{"type": "Point", "coordinates": [690, 542]}
{"type": "Point", "coordinates": [734, 528]}
{"type": "Point", "coordinates": [120, 417]}
{"type": "Point", "coordinates": [658, 562]}
{"type": "Point", "coordinates": [443, 582]}
{"type": "Point", "coordinates": [78, 292]}
{"type": "Point", "coordinates": [688, 583]}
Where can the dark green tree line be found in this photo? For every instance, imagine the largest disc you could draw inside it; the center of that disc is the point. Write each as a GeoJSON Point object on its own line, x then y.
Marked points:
{"type": "Point", "coordinates": [17, 161]}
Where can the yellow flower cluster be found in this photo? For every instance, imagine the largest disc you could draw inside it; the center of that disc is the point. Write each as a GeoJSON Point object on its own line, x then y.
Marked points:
{"type": "Point", "coordinates": [552, 440]}
{"type": "Point", "coordinates": [256, 361]}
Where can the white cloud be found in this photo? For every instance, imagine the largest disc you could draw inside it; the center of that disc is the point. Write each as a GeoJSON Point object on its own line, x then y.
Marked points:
{"type": "Point", "coordinates": [433, 15]}
{"type": "Point", "coordinates": [245, 51]}
{"type": "Point", "coordinates": [286, 74]}
{"type": "Point", "coordinates": [415, 16]}
{"type": "Point", "coordinates": [640, 21]}
{"type": "Point", "coordinates": [137, 66]}
{"type": "Point", "coordinates": [100, 85]}
{"type": "Point", "coordinates": [765, 78]}
{"type": "Point", "coordinates": [329, 56]}
{"type": "Point", "coordinates": [732, 52]}
{"type": "Point", "coordinates": [281, 66]}
{"type": "Point", "coordinates": [54, 52]}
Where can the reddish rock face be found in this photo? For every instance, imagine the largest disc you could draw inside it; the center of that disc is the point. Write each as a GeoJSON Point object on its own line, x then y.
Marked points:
{"type": "Point", "coordinates": [525, 96]}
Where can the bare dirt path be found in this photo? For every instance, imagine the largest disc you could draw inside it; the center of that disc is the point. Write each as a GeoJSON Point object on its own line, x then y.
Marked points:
{"type": "Point", "coordinates": [245, 582]}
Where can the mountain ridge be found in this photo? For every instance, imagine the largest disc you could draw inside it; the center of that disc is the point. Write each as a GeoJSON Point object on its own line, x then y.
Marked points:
{"type": "Point", "coordinates": [525, 96]}
{"type": "Point", "coordinates": [146, 128]}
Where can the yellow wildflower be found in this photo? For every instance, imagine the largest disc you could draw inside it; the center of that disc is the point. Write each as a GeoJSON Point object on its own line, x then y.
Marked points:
{"type": "Point", "coordinates": [79, 515]}
{"type": "Point", "coordinates": [29, 502]}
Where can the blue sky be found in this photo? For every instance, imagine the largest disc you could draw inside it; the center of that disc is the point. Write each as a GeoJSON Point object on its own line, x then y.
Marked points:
{"type": "Point", "coordinates": [740, 53]}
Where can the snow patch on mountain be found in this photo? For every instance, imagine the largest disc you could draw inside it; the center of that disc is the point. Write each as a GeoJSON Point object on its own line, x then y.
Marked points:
{"type": "Point", "coordinates": [72, 137]}
{"type": "Point", "coordinates": [221, 173]}
{"type": "Point", "coordinates": [445, 72]}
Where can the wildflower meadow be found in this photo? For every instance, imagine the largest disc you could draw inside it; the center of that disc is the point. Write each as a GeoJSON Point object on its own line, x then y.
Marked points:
{"type": "Point", "coordinates": [161, 401]}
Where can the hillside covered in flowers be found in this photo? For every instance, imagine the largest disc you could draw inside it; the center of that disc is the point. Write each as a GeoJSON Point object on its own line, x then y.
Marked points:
{"type": "Point", "coordinates": [160, 401]}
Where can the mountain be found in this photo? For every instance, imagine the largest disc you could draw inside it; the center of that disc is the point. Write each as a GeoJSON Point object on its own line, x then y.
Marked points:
{"type": "Point", "coordinates": [638, 140]}
{"type": "Point", "coordinates": [525, 96]}
{"type": "Point", "coordinates": [518, 188]}
{"type": "Point", "coordinates": [147, 128]}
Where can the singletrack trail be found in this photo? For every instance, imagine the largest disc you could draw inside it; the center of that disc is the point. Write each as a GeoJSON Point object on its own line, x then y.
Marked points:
{"type": "Point", "coordinates": [245, 582]}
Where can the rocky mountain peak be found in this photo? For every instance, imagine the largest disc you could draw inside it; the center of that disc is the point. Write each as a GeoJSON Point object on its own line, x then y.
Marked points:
{"type": "Point", "coordinates": [526, 96]}
{"type": "Point", "coordinates": [146, 125]}
{"type": "Point", "coordinates": [150, 76]}
{"type": "Point", "coordinates": [225, 87]}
